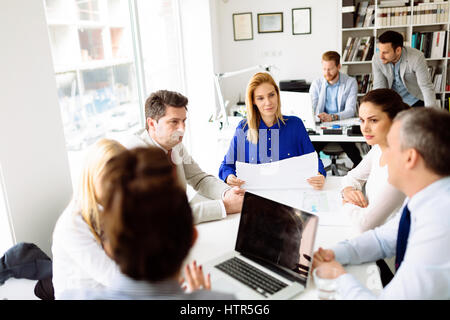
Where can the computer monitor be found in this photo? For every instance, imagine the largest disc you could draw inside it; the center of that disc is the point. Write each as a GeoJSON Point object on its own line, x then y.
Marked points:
{"type": "Point", "coordinates": [298, 104]}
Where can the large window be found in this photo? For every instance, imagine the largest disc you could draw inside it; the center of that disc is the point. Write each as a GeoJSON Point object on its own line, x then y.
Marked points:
{"type": "Point", "coordinates": [95, 70]}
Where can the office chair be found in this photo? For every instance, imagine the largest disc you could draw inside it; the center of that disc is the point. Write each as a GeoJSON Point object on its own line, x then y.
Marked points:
{"type": "Point", "coordinates": [334, 150]}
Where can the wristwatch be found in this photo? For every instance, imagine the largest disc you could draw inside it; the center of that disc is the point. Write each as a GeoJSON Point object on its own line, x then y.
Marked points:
{"type": "Point", "coordinates": [334, 117]}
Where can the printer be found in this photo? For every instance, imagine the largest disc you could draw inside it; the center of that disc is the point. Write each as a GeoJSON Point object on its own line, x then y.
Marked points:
{"type": "Point", "coordinates": [294, 85]}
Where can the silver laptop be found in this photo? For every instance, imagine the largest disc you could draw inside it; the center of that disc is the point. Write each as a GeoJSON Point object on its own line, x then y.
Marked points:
{"type": "Point", "coordinates": [299, 104]}
{"type": "Point", "coordinates": [273, 252]}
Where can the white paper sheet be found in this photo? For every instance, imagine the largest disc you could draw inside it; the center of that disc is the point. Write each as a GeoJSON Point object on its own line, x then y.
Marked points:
{"type": "Point", "coordinates": [289, 173]}
{"type": "Point", "coordinates": [326, 205]}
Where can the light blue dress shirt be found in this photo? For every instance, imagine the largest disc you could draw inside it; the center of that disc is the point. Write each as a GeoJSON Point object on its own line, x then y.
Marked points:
{"type": "Point", "coordinates": [331, 102]}
{"type": "Point", "coordinates": [425, 270]}
{"type": "Point", "coordinates": [399, 87]}
{"type": "Point", "coordinates": [346, 96]}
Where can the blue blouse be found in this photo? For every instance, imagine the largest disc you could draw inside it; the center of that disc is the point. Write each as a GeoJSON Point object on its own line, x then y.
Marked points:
{"type": "Point", "coordinates": [280, 141]}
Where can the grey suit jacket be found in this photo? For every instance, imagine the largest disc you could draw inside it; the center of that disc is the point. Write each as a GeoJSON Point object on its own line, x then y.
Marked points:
{"type": "Point", "coordinates": [207, 205]}
{"type": "Point", "coordinates": [413, 72]}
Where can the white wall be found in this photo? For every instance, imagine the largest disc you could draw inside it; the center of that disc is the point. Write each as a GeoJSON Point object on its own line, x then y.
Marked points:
{"type": "Point", "coordinates": [295, 56]}
{"type": "Point", "coordinates": [32, 147]}
{"type": "Point", "coordinates": [199, 72]}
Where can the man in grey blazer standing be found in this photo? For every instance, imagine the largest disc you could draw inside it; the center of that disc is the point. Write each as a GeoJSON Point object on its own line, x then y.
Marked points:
{"type": "Point", "coordinates": [166, 113]}
{"type": "Point", "coordinates": [402, 69]}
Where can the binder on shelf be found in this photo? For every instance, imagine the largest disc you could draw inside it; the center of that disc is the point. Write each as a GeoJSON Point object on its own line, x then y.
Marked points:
{"type": "Point", "coordinates": [432, 44]}
{"type": "Point", "coordinates": [352, 47]}
{"type": "Point", "coordinates": [348, 13]}
{"type": "Point", "coordinates": [362, 10]}
{"type": "Point", "coordinates": [368, 54]}
{"type": "Point", "coordinates": [438, 44]}
{"type": "Point", "coordinates": [364, 43]}
{"type": "Point", "coordinates": [369, 20]}
{"type": "Point", "coordinates": [346, 49]}
{"type": "Point", "coordinates": [364, 82]}
{"type": "Point", "coordinates": [429, 13]}
{"type": "Point", "coordinates": [431, 70]}
{"type": "Point", "coordinates": [392, 3]}
{"type": "Point", "coordinates": [437, 82]}
{"type": "Point", "coordinates": [359, 49]}
{"type": "Point", "coordinates": [355, 49]}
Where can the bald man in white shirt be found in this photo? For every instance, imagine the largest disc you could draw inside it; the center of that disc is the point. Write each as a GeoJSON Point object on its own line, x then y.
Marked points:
{"type": "Point", "coordinates": [418, 158]}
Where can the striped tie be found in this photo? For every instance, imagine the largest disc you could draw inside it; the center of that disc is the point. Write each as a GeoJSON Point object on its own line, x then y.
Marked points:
{"type": "Point", "coordinates": [402, 237]}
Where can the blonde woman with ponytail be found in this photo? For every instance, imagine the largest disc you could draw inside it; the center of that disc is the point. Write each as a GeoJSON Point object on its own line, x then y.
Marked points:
{"type": "Point", "coordinates": [79, 260]}
{"type": "Point", "coordinates": [265, 127]}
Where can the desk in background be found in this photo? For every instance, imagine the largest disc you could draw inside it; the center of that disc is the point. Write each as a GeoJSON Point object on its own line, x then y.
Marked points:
{"type": "Point", "coordinates": [219, 237]}
{"type": "Point", "coordinates": [226, 133]}
{"type": "Point", "coordinates": [344, 124]}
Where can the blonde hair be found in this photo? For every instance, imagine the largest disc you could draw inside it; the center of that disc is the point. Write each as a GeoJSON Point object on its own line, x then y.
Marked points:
{"type": "Point", "coordinates": [253, 115]}
{"type": "Point", "coordinates": [97, 156]}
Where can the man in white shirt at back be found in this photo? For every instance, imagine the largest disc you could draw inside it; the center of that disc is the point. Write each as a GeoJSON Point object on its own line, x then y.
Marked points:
{"type": "Point", "coordinates": [418, 157]}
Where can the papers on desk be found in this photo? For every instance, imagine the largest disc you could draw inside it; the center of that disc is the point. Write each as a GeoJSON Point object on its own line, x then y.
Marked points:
{"type": "Point", "coordinates": [327, 205]}
{"type": "Point", "coordinates": [284, 181]}
{"type": "Point", "coordinates": [290, 173]}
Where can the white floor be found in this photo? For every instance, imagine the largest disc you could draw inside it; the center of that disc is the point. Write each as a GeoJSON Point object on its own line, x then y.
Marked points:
{"type": "Point", "coordinates": [18, 289]}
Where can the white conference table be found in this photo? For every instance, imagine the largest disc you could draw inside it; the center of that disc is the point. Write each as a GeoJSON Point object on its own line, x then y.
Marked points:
{"type": "Point", "coordinates": [216, 238]}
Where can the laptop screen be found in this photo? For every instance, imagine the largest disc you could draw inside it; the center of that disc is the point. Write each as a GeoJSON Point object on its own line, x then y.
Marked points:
{"type": "Point", "coordinates": [277, 234]}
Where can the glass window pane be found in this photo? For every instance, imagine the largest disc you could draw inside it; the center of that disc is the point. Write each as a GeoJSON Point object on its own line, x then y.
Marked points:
{"type": "Point", "coordinates": [160, 45]}
{"type": "Point", "coordinates": [95, 74]}
{"type": "Point", "coordinates": [60, 10]}
{"type": "Point", "coordinates": [120, 43]}
{"type": "Point", "coordinates": [117, 12]}
{"type": "Point", "coordinates": [88, 10]}
{"type": "Point", "coordinates": [91, 44]}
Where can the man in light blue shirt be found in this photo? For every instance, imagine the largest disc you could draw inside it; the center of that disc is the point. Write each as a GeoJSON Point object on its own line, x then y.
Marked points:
{"type": "Point", "coordinates": [334, 98]}
{"type": "Point", "coordinates": [417, 156]}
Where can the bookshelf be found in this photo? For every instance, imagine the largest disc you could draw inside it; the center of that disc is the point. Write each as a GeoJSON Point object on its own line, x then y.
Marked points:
{"type": "Point", "coordinates": [421, 22]}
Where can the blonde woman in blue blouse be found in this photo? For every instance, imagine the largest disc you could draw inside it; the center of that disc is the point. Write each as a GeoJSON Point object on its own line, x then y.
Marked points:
{"type": "Point", "coordinates": [265, 127]}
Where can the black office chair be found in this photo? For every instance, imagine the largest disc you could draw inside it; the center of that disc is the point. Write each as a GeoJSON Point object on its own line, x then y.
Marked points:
{"type": "Point", "coordinates": [333, 150]}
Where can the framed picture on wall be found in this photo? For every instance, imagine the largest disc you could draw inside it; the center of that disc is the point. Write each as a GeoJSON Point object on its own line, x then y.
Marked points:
{"type": "Point", "coordinates": [301, 21]}
{"type": "Point", "coordinates": [270, 22]}
{"type": "Point", "coordinates": [242, 26]}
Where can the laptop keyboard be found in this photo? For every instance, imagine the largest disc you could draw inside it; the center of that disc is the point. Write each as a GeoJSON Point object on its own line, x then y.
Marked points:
{"type": "Point", "coordinates": [251, 276]}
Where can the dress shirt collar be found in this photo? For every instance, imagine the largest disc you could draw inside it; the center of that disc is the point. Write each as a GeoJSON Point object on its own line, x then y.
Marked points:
{"type": "Point", "coordinates": [146, 136]}
{"type": "Point", "coordinates": [334, 84]}
{"type": "Point", "coordinates": [396, 66]}
{"type": "Point", "coordinates": [421, 198]}
{"type": "Point", "coordinates": [130, 286]}
{"type": "Point", "coordinates": [262, 125]}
